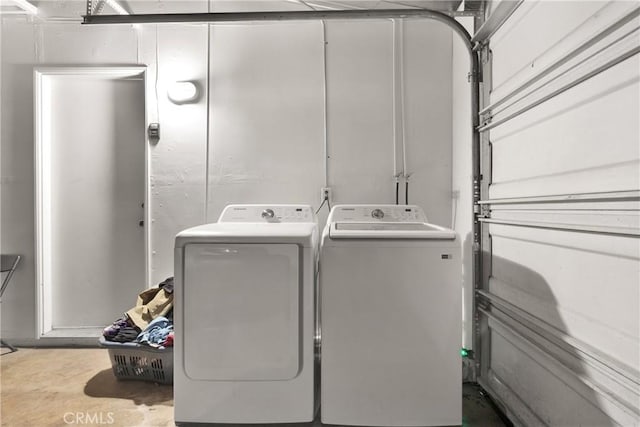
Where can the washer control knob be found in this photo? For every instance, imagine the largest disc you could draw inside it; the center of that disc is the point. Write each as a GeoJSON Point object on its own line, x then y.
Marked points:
{"type": "Point", "coordinates": [268, 214]}
{"type": "Point", "coordinates": [377, 214]}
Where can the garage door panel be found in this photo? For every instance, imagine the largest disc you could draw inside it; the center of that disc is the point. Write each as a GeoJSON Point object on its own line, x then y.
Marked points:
{"type": "Point", "coordinates": [559, 307]}
{"type": "Point", "coordinates": [585, 140]}
{"type": "Point", "coordinates": [612, 177]}
{"type": "Point", "coordinates": [573, 290]}
{"type": "Point", "coordinates": [558, 393]}
{"type": "Point", "coordinates": [614, 345]}
{"type": "Point", "coordinates": [523, 51]}
{"type": "Point", "coordinates": [623, 220]}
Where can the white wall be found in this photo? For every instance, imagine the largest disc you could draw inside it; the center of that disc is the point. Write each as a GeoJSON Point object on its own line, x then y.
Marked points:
{"type": "Point", "coordinates": [360, 119]}
{"type": "Point", "coordinates": [262, 94]}
{"type": "Point", "coordinates": [428, 76]}
{"type": "Point", "coordinates": [267, 120]}
{"type": "Point", "coordinates": [17, 191]}
{"type": "Point", "coordinates": [179, 158]}
{"type": "Point", "coordinates": [266, 130]}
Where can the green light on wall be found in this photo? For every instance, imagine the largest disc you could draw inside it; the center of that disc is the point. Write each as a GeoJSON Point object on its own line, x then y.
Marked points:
{"type": "Point", "coordinates": [464, 352]}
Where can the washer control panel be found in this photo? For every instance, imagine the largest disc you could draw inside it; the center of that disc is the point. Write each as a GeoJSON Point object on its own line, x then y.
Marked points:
{"type": "Point", "coordinates": [267, 213]}
{"type": "Point", "coordinates": [377, 213]}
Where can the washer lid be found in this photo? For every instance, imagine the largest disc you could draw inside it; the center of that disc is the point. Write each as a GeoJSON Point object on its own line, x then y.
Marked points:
{"type": "Point", "coordinates": [384, 222]}
{"type": "Point", "coordinates": [372, 230]}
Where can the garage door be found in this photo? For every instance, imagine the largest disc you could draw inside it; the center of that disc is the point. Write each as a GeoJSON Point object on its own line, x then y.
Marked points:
{"type": "Point", "coordinates": [559, 299]}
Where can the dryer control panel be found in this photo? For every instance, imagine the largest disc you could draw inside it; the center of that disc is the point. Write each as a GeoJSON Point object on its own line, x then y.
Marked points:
{"type": "Point", "coordinates": [267, 213]}
{"type": "Point", "coordinates": [378, 213]}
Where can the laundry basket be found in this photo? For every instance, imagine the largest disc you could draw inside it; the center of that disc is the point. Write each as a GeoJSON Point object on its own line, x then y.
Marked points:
{"type": "Point", "coordinates": [132, 361]}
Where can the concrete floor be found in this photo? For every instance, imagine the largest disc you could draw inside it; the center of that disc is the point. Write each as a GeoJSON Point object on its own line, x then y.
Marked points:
{"type": "Point", "coordinates": [60, 387]}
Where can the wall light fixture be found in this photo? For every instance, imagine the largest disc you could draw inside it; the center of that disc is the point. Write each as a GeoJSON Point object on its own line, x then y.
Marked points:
{"type": "Point", "coordinates": [182, 92]}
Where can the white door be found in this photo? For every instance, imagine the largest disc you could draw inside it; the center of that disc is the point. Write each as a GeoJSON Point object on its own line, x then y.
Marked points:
{"type": "Point", "coordinates": [91, 167]}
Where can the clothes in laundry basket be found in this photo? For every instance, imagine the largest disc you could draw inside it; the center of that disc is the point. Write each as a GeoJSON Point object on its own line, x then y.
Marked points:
{"type": "Point", "coordinates": [169, 341]}
{"type": "Point", "coordinates": [156, 333]}
{"type": "Point", "coordinates": [113, 329]}
{"type": "Point", "coordinates": [152, 303]}
{"type": "Point", "coordinates": [167, 285]}
{"type": "Point", "coordinates": [122, 330]}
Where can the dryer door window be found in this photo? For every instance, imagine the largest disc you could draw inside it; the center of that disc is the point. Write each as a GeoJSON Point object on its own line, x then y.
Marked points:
{"type": "Point", "coordinates": [241, 311]}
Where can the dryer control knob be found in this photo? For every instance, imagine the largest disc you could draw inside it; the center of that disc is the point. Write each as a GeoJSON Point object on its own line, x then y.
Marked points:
{"type": "Point", "coordinates": [377, 214]}
{"type": "Point", "coordinates": [268, 214]}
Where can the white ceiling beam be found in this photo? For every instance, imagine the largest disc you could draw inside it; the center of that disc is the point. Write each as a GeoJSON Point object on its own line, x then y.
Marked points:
{"type": "Point", "coordinates": [341, 5]}
{"type": "Point", "coordinates": [24, 7]}
{"type": "Point", "coordinates": [117, 7]}
{"type": "Point", "coordinates": [398, 3]}
{"type": "Point", "coordinates": [315, 6]}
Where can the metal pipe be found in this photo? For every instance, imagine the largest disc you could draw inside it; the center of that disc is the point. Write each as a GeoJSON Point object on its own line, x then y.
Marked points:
{"type": "Point", "coordinates": [403, 136]}
{"type": "Point", "coordinates": [325, 111]}
{"type": "Point", "coordinates": [596, 229]}
{"type": "Point", "coordinates": [406, 191]}
{"type": "Point", "coordinates": [475, 78]}
{"type": "Point", "coordinates": [398, 97]}
{"type": "Point", "coordinates": [208, 124]}
{"type": "Point", "coordinates": [615, 61]}
{"type": "Point", "coordinates": [589, 43]}
{"type": "Point", "coordinates": [396, 110]}
{"type": "Point", "coordinates": [619, 196]}
{"type": "Point", "coordinates": [325, 107]}
{"type": "Point", "coordinates": [296, 15]}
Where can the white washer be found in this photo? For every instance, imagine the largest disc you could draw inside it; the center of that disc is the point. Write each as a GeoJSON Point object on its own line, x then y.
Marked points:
{"type": "Point", "coordinates": [244, 317]}
{"type": "Point", "coordinates": [390, 297]}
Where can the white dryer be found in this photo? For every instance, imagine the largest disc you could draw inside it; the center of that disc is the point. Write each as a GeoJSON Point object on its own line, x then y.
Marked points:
{"type": "Point", "coordinates": [244, 317]}
{"type": "Point", "coordinates": [391, 309]}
